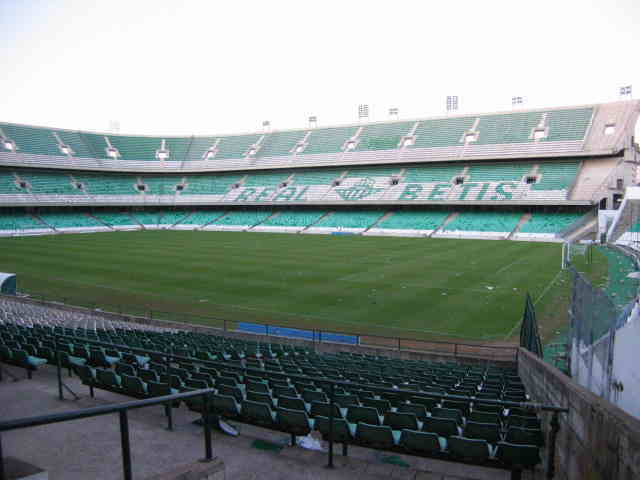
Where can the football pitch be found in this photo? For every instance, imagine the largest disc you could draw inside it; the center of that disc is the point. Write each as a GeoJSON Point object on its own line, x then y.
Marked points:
{"type": "Point", "coordinates": [411, 287]}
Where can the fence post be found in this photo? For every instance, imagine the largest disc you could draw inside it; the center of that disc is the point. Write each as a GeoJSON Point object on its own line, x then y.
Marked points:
{"type": "Point", "coordinates": [551, 459]}
{"type": "Point", "coordinates": [59, 367]}
{"type": "Point", "coordinates": [208, 454]}
{"type": "Point", "coordinates": [2, 474]}
{"type": "Point", "coordinates": [124, 442]}
{"type": "Point", "coordinates": [331, 392]}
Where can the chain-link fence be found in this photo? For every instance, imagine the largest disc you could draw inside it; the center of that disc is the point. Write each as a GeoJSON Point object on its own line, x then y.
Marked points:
{"type": "Point", "coordinates": [594, 320]}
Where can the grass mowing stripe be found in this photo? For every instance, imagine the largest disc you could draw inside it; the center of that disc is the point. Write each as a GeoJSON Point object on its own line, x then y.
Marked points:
{"type": "Point", "coordinates": [368, 284]}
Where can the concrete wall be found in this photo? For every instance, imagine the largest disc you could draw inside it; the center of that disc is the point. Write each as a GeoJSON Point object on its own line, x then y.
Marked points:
{"type": "Point", "coordinates": [597, 440]}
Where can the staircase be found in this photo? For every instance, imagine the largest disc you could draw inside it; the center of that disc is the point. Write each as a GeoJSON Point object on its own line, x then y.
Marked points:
{"type": "Point", "coordinates": [316, 222]}
{"type": "Point", "coordinates": [384, 217]}
{"type": "Point", "coordinates": [444, 224]}
{"type": "Point", "coordinates": [525, 218]}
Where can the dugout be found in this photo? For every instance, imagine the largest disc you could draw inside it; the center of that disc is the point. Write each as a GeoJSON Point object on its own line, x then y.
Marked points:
{"type": "Point", "coordinates": [8, 283]}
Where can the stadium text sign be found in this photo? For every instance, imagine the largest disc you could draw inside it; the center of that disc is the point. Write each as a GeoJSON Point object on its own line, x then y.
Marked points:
{"type": "Point", "coordinates": [363, 190]}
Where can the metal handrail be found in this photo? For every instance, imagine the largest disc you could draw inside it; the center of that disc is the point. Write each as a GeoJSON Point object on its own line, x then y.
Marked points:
{"type": "Point", "coordinates": [121, 409]}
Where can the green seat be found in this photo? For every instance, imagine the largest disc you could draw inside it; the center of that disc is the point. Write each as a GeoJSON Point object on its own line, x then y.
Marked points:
{"type": "Point", "coordinates": [108, 378]}
{"type": "Point", "coordinates": [518, 456]}
{"type": "Point", "coordinates": [235, 392]}
{"type": "Point", "coordinates": [376, 436]}
{"type": "Point", "coordinates": [314, 396]}
{"type": "Point", "coordinates": [133, 386]}
{"type": "Point", "coordinates": [368, 415]}
{"type": "Point", "coordinates": [258, 413]}
{"type": "Point", "coordinates": [295, 422]}
{"type": "Point", "coordinates": [428, 402]}
{"type": "Point", "coordinates": [86, 373]}
{"type": "Point", "coordinates": [226, 406]}
{"type": "Point", "coordinates": [418, 410]}
{"type": "Point", "coordinates": [484, 417]}
{"type": "Point", "coordinates": [469, 449]}
{"type": "Point", "coordinates": [292, 403]}
{"type": "Point", "coordinates": [525, 436]}
{"type": "Point", "coordinates": [445, 427]}
{"type": "Point", "coordinates": [284, 392]}
{"type": "Point", "coordinates": [451, 413]}
{"type": "Point", "coordinates": [380, 405]}
{"type": "Point", "coordinates": [343, 432]}
{"type": "Point", "coordinates": [125, 369]}
{"type": "Point", "coordinates": [421, 443]}
{"type": "Point", "coordinates": [195, 383]}
{"type": "Point", "coordinates": [148, 375]}
{"type": "Point", "coordinates": [258, 387]}
{"type": "Point", "coordinates": [346, 400]}
{"type": "Point", "coordinates": [457, 405]}
{"type": "Point", "coordinates": [22, 358]}
{"type": "Point", "coordinates": [523, 422]}
{"type": "Point", "coordinates": [485, 431]}
{"type": "Point", "coordinates": [261, 398]}
{"type": "Point", "coordinates": [322, 409]}
{"type": "Point", "coordinates": [158, 389]}
{"type": "Point", "coordinates": [399, 421]}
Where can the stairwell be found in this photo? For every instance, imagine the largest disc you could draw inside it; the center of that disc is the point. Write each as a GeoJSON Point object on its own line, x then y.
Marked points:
{"type": "Point", "coordinates": [377, 222]}
{"type": "Point", "coordinates": [212, 220]}
{"type": "Point", "coordinates": [524, 219]}
{"type": "Point", "coordinates": [273, 215]}
{"type": "Point", "coordinates": [444, 224]}
{"type": "Point", "coordinates": [37, 218]}
{"type": "Point", "coordinates": [101, 221]}
{"type": "Point", "coordinates": [182, 219]}
{"type": "Point", "coordinates": [316, 222]}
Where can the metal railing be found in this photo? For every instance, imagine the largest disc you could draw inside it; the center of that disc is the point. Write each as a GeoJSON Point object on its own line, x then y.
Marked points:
{"type": "Point", "coordinates": [121, 409]}
{"type": "Point", "coordinates": [506, 353]}
{"type": "Point", "coordinates": [169, 357]}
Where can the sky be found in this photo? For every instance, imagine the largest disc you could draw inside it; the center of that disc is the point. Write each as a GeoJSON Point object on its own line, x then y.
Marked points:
{"type": "Point", "coordinates": [214, 67]}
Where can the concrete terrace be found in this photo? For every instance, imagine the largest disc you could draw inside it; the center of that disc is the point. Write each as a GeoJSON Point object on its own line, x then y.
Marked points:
{"type": "Point", "coordinates": [90, 448]}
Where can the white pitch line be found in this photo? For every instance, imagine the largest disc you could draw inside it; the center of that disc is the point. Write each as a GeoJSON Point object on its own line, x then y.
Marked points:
{"type": "Point", "coordinates": [537, 300]}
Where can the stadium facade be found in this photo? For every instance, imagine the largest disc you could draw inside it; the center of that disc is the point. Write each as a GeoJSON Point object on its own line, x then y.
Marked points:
{"type": "Point", "coordinates": [523, 175]}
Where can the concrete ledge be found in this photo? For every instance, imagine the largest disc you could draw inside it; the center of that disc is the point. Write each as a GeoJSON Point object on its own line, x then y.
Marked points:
{"type": "Point", "coordinates": [213, 470]}
{"type": "Point", "coordinates": [16, 469]}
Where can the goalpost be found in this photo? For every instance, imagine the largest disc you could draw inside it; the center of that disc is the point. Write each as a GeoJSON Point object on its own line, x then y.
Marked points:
{"type": "Point", "coordinates": [571, 249]}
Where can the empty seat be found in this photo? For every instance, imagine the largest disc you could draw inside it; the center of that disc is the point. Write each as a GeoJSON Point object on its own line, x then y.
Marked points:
{"type": "Point", "coordinates": [322, 409]}
{"type": "Point", "coordinates": [445, 427]}
{"type": "Point", "coordinates": [485, 431]}
{"type": "Point", "coordinates": [258, 413]}
{"type": "Point", "coordinates": [375, 436]}
{"type": "Point", "coordinates": [469, 449]}
{"type": "Point", "coordinates": [226, 406]}
{"type": "Point", "coordinates": [261, 398]}
{"type": "Point", "coordinates": [295, 422]}
{"type": "Point", "coordinates": [368, 415]}
{"type": "Point", "coordinates": [133, 386]}
{"type": "Point", "coordinates": [525, 436]}
{"type": "Point", "coordinates": [343, 432]}
{"type": "Point", "coordinates": [518, 456]}
{"type": "Point", "coordinates": [292, 403]}
{"type": "Point", "coordinates": [421, 443]}
{"type": "Point", "coordinates": [399, 421]}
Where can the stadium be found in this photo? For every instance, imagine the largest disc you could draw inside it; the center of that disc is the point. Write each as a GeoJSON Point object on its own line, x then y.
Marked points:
{"type": "Point", "coordinates": [443, 297]}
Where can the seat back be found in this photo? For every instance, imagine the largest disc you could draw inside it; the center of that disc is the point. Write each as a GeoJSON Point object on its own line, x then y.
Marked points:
{"type": "Point", "coordinates": [469, 449]}
{"type": "Point", "coordinates": [444, 427]}
{"type": "Point", "coordinates": [374, 436]}
{"type": "Point", "coordinates": [398, 420]}
{"type": "Point", "coordinates": [293, 421]}
{"type": "Point", "coordinates": [420, 442]}
{"type": "Point", "coordinates": [518, 456]}
{"type": "Point", "coordinates": [341, 432]}
{"type": "Point", "coordinates": [485, 431]}
{"type": "Point", "coordinates": [368, 415]}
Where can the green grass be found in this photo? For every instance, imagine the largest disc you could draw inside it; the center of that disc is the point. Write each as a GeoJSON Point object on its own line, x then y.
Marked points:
{"type": "Point", "coordinates": [371, 285]}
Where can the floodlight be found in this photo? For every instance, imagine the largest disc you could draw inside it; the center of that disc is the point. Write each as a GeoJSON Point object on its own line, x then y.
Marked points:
{"type": "Point", "coordinates": [452, 103]}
